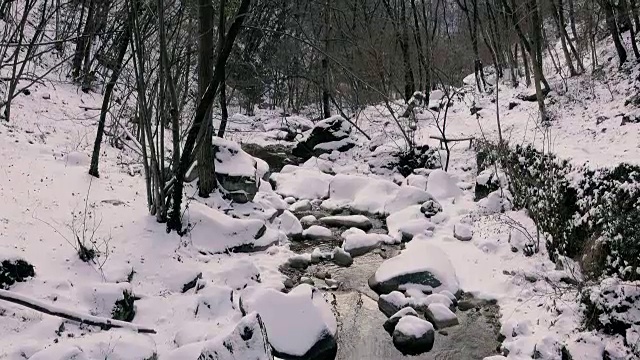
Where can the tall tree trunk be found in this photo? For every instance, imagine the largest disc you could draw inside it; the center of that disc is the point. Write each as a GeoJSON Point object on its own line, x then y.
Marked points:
{"type": "Point", "coordinates": [203, 106]}
{"type": "Point", "coordinates": [409, 84]}
{"type": "Point", "coordinates": [122, 50]}
{"type": "Point", "coordinates": [624, 13]}
{"type": "Point", "coordinates": [557, 17]}
{"type": "Point", "coordinates": [634, 11]}
{"type": "Point", "coordinates": [206, 165]}
{"type": "Point", "coordinates": [536, 56]}
{"type": "Point", "coordinates": [326, 95]}
{"type": "Point", "coordinates": [572, 21]}
{"type": "Point", "coordinates": [527, 69]}
{"type": "Point", "coordinates": [223, 85]}
{"type": "Point", "coordinates": [84, 42]}
{"type": "Point", "coordinates": [613, 29]}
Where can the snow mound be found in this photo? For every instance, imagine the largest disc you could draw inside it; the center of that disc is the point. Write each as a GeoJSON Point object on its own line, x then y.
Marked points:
{"type": "Point", "coordinates": [296, 322]}
{"type": "Point", "coordinates": [374, 196]}
{"type": "Point", "coordinates": [357, 221]}
{"type": "Point", "coordinates": [232, 160]}
{"type": "Point", "coordinates": [317, 232]}
{"type": "Point", "coordinates": [403, 225]}
{"type": "Point", "coordinates": [442, 185]}
{"type": "Point", "coordinates": [289, 224]}
{"type": "Point", "coordinates": [420, 263]}
{"type": "Point", "coordinates": [248, 340]}
{"type": "Point", "coordinates": [360, 244]}
{"type": "Point", "coordinates": [215, 232]}
{"type": "Point", "coordinates": [302, 183]}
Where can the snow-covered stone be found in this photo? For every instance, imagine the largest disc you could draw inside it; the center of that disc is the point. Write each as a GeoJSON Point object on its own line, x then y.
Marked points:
{"type": "Point", "coordinates": [357, 221]}
{"type": "Point", "coordinates": [420, 263]}
{"type": "Point", "coordinates": [325, 166]}
{"type": "Point", "coordinates": [392, 302]}
{"type": "Point", "coordinates": [317, 232]}
{"type": "Point", "coordinates": [299, 324]}
{"type": "Point", "coordinates": [413, 336]}
{"type": "Point", "coordinates": [406, 196]}
{"type": "Point", "coordinates": [248, 340]}
{"type": "Point", "coordinates": [301, 183]}
{"type": "Point", "coordinates": [442, 185]}
{"type": "Point", "coordinates": [236, 171]}
{"type": "Point", "coordinates": [327, 135]}
{"type": "Point", "coordinates": [237, 275]}
{"type": "Point", "coordinates": [351, 231]}
{"type": "Point", "coordinates": [462, 232]}
{"type": "Point", "coordinates": [341, 257]}
{"type": "Point", "coordinates": [440, 316]}
{"type": "Point", "coordinates": [290, 200]}
{"type": "Point", "coordinates": [360, 244]}
{"type": "Point", "coordinates": [299, 261]}
{"type": "Point", "coordinates": [299, 206]}
{"type": "Point", "coordinates": [289, 224]}
{"type": "Point", "coordinates": [418, 181]}
{"type": "Point", "coordinates": [391, 322]}
{"type": "Point", "coordinates": [407, 223]}
{"type": "Point", "coordinates": [215, 232]}
{"type": "Point", "coordinates": [308, 220]}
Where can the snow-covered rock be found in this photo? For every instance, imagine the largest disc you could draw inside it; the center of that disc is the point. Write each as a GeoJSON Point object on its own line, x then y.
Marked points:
{"type": "Point", "coordinates": [101, 299]}
{"type": "Point", "coordinates": [327, 135]}
{"type": "Point", "coordinates": [301, 205]}
{"type": "Point", "coordinates": [317, 232]}
{"type": "Point", "coordinates": [442, 185]}
{"type": "Point", "coordinates": [289, 224]}
{"type": "Point", "coordinates": [237, 275]}
{"type": "Point", "coordinates": [299, 324]}
{"type": "Point", "coordinates": [323, 165]}
{"type": "Point", "coordinates": [215, 232]}
{"type": "Point", "coordinates": [351, 231]}
{"type": "Point", "coordinates": [248, 340]}
{"type": "Point", "coordinates": [360, 244]}
{"type": "Point", "coordinates": [301, 183]}
{"type": "Point", "coordinates": [440, 316]}
{"type": "Point", "coordinates": [371, 195]}
{"type": "Point", "coordinates": [392, 302]}
{"type": "Point", "coordinates": [341, 257]}
{"type": "Point", "coordinates": [308, 220]}
{"type": "Point", "coordinates": [357, 221]}
{"type": "Point", "coordinates": [420, 263]}
{"type": "Point", "coordinates": [418, 181]}
{"type": "Point", "coordinates": [403, 225]}
{"type": "Point", "coordinates": [236, 171]}
{"type": "Point", "coordinates": [391, 322]}
{"type": "Point", "coordinates": [413, 336]}
{"type": "Point", "coordinates": [462, 232]}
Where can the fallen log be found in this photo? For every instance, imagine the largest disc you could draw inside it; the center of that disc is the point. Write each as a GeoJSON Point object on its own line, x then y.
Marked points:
{"type": "Point", "coordinates": [103, 323]}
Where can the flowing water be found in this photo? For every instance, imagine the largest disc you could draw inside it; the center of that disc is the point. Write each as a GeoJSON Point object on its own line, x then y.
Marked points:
{"type": "Point", "coordinates": [360, 332]}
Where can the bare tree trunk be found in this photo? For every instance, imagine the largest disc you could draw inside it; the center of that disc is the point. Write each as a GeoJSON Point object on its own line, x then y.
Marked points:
{"type": "Point", "coordinates": [223, 84]}
{"type": "Point", "coordinates": [613, 29]}
{"type": "Point", "coordinates": [558, 20]}
{"type": "Point", "coordinates": [206, 166]}
{"type": "Point", "coordinates": [122, 50]}
{"type": "Point", "coordinates": [195, 132]}
{"type": "Point", "coordinates": [536, 56]}
{"type": "Point", "coordinates": [409, 84]}
{"type": "Point", "coordinates": [326, 95]}
{"type": "Point", "coordinates": [527, 71]}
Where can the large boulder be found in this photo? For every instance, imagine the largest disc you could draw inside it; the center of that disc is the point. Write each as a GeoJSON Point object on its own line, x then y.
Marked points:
{"type": "Point", "coordinates": [356, 221]}
{"type": "Point", "coordinates": [442, 185]}
{"type": "Point", "coordinates": [301, 183]}
{"type": "Point", "coordinates": [236, 171]}
{"type": "Point", "coordinates": [212, 231]}
{"type": "Point", "coordinates": [327, 135]}
{"type": "Point", "coordinates": [421, 263]}
{"type": "Point", "coordinates": [391, 323]}
{"type": "Point", "coordinates": [413, 336]}
{"type": "Point", "coordinates": [300, 324]}
{"type": "Point", "coordinates": [248, 340]}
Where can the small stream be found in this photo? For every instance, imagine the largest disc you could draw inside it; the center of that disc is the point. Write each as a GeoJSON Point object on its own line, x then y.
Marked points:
{"type": "Point", "coordinates": [360, 332]}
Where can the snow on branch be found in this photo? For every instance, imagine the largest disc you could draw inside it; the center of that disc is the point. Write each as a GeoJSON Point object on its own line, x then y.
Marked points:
{"type": "Point", "coordinates": [49, 309]}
